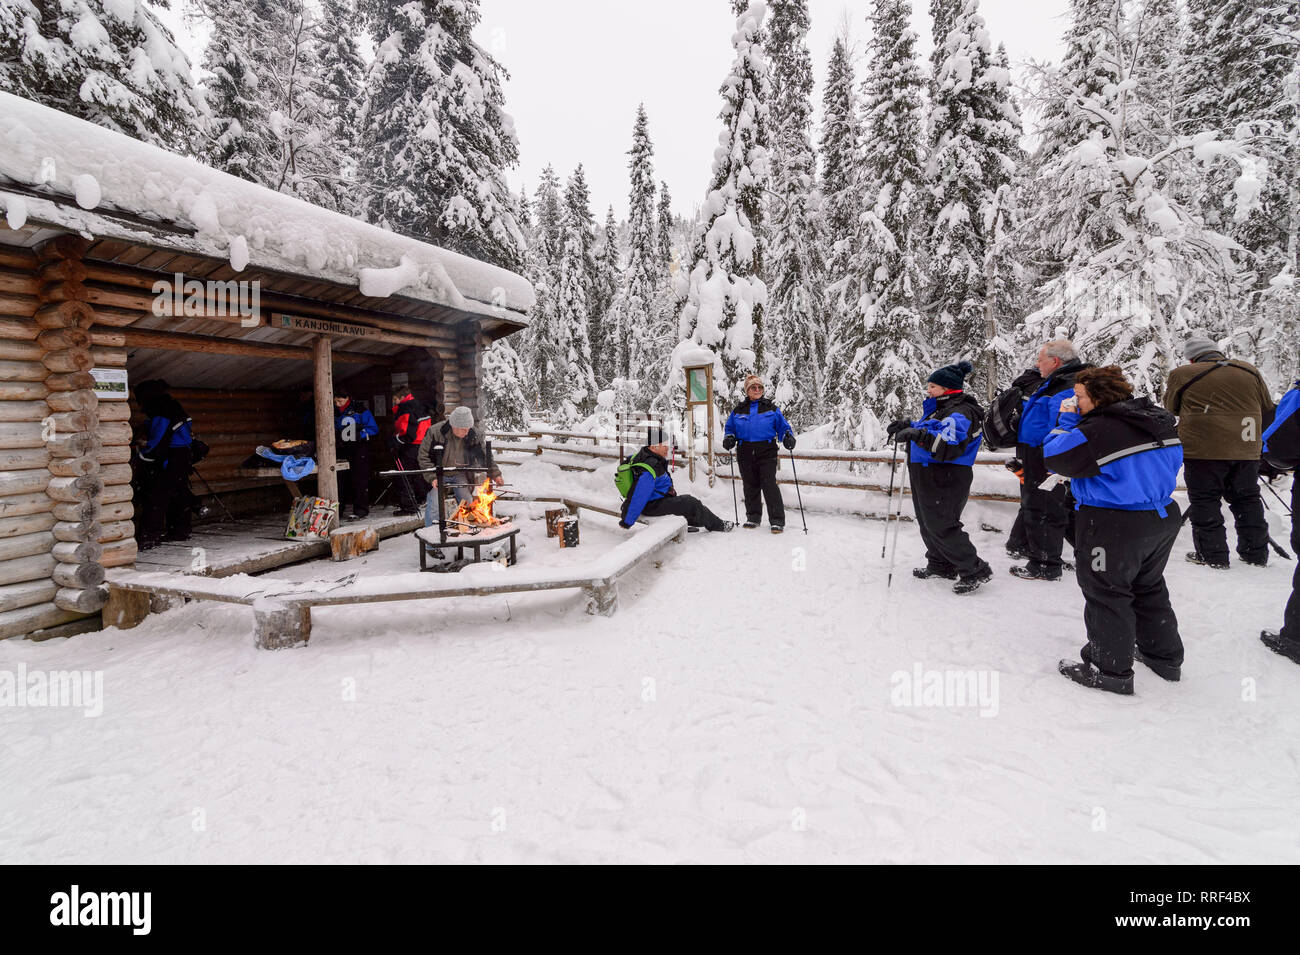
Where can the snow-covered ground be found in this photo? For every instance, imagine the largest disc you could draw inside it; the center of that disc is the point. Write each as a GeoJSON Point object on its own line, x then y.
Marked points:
{"type": "Point", "coordinates": [746, 704]}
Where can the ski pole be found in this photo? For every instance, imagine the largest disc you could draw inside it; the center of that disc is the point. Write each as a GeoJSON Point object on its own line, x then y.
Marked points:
{"type": "Point", "coordinates": [735, 508]}
{"type": "Point", "coordinates": [889, 501]}
{"type": "Point", "coordinates": [1278, 547]}
{"type": "Point", "coordinates": [799, 494]}
{"type": "Point", "coordinates": [898, 526]}
{"type": "Point", "coordinates": [1269, 485]}
{"type": "Point", "coordinates": [208, 487]}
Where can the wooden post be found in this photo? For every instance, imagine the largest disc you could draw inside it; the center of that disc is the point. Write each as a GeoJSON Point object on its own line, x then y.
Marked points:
{"type": "Point", "coordinates": [328, 480]}
{"type": "Point", "coordinates": [602, 597]}
{"type": "Point", "coordinates": [278, 628]}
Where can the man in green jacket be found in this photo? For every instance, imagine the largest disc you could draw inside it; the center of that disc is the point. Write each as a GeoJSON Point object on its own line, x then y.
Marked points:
{"type": "Point", "coordinates": [1223, 407]}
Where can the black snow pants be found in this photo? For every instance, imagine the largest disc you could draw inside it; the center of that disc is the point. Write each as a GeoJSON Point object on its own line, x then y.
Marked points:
{"type": "Point", "coordinates": [166, 496]}
{"type": "Point", "coordinates": [1120, 559]}
{"type": "Point", "coordinates": [1291, 622]}
{"type": "Point", "coordinates": [1209, 483]}
{"type": "Point", "coordinates": [1047, 518]}
{"type": "Point", "coordinates": [357, 454]}
{"type": "Point", "coordinates": [757, 461]}
{"type": "Point", "coordinates": [939, 494]}
{"type": "Point", "coordinates": [691, 508]}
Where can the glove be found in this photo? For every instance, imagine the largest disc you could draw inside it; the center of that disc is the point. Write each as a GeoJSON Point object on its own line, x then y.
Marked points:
{"type": "Point", "coordinates": [919, 435]}
{"type": "Point", "coordinates": [729, 442]}
{"type": "Point", "coordinates": [626, 526]}
{"type": "Point", "coordinates": [897, 426]}
{"type": "Point", "coordinates": [788, 441]}
{"type": "Point", "coordinates": [1268, 472]}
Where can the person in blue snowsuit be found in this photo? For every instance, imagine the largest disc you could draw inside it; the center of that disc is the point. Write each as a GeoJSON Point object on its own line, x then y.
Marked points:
{"type": "Point", "coordinates": [1122, 455]}
{"type": "Point", "coordinates": [163, 455]}
{"type": "Point", "coordinates": [1282, 453]}
{"type": "Point", "coordinates": [756, 424]}
{"type": "Point", "coordinates": [942, 445]}
{"type": "Point", "coordinates": [653, 494]}
{"type": "Point", "coordinates": [354, 427]}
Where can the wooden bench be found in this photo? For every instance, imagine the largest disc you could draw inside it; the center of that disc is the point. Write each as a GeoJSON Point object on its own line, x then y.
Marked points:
{"type": "Point", "coordinates": [282, 609]}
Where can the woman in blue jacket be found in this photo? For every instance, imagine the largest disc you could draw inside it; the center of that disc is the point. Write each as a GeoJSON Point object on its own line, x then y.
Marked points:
{"type": "Point", "coordinates": [1282, 453]}
{"type": "Point", "coordinates": [164, 458]}
{"type": "Point", "coordinates": [942, 445]}
{"type": "Point", "coordinates": [756, 424]}
{"type": "Point", "coordinates": [1122, 456]}
{"type": "Point", "coordinates": [354, 427]}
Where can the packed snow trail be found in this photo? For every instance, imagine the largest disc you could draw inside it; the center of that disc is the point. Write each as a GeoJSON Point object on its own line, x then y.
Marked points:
{"type": "Point", "coordinates": [735, 709]}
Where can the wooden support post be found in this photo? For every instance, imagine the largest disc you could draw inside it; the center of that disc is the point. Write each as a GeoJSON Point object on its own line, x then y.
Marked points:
{"type": "Point", "coordinates": [602, 597]}
{"type": "Point", "coordinates": [125, 609]}
{"type": "Point", "coordinates": [276, 627]}
{"type": "Point", "coordinates": [328, 480]}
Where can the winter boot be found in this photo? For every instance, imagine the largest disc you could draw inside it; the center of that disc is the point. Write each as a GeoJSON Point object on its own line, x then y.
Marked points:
{"type": "Point", "coordinates": [727, 526]}
{"type": "Point", "coordinates": [1085, 674]}
{"type": "Point", "coordinates": [1194, 558]}
{"type": "Point", "coordinates": [1162, 668]}
{"type": "Point", "coordinates": [1279, 644]}
{"type": "Point", "coordinates": [750, 525]}
{"type": "Point", "coordinates": [968, 585]}
{"type": "Point", "coordinates": [778, 529]}
{"type": "Point", "coordinates": [1030, 572]}
{"type": "Point", "coordinates": [925, 573]}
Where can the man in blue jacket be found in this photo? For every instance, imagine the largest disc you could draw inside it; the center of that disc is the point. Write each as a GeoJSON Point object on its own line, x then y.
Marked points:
{"type": "Point", "coordinates": [1122, 455]}
{"type": "Point", "coordinates": [653, 494]}
{"type": "Point", "coordinates": [943, 444]}
{"type": "Point", "coordinates": [1045, 511]}
{"type": "Point", "coordinates": [164, 457]}
{"type": "Point", "coordinates": [757, 424]}
{"type": "Point", "coordinates": [354, 427]}
{"type": "Point", "coordinates": [1282, 453]}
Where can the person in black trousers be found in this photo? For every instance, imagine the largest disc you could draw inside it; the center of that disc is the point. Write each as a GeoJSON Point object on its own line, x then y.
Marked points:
{"type": "Point", "coordinates": [1282, 453]}
{"type": "Point", "coordinates": [353, 428]}
{"type": "Point", "coordinates": [1122, 455]}
{"type": "Point", "coordinates": [756, 424]}
{"type": "Point", "coordinates": [942, 445]}
{"type": "Point", "coordinates": [411, 419]}
{"type": "Point", "coordinates": [164, 455]}
{"type": "Point", "coordinates": [653, 494]}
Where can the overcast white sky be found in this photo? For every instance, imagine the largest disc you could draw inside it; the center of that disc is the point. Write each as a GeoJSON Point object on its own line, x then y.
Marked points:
{"type": "Point", "coordinates": [578, 69]}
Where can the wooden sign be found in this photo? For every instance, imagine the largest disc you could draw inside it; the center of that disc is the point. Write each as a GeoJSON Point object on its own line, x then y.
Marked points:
{"type": "Point", "coordinates": [322, 326]}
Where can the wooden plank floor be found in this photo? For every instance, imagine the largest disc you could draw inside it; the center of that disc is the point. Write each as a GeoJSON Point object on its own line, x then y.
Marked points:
{"type": "Point", "coordinates": [253, 545]}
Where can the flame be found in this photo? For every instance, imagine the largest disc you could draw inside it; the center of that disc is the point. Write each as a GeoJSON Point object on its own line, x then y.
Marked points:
{"type": "Point", "coordinates": [478, 509]}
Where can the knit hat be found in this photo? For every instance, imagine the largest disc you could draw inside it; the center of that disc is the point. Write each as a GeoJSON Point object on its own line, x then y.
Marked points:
{"type": "Point", "coordinates": [952, 377]}
{"type": "Point", "coordinates": [752, 380]}
{"type": "Point", "coordinates": [462, 417]}
{"type": "Point", "coordinates": [1198, 345]}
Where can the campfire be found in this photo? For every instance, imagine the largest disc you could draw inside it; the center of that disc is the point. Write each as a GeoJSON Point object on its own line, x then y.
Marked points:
{"type": "Point", "coordinates": [477, 511]}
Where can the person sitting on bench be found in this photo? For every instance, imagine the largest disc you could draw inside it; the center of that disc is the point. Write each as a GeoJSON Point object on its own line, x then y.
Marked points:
{"type": "Point", "coordinates": [654, 494]}
{"type": "Point", "coordinates": [462, 447]}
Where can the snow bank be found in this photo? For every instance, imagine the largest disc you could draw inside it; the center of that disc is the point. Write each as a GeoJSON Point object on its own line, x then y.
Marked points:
{"type": "Point", "coordinates": [108, 172]}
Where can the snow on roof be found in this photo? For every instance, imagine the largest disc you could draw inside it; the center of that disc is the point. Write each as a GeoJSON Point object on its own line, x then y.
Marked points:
{"type": "Point", "coordinates": [105, 172]}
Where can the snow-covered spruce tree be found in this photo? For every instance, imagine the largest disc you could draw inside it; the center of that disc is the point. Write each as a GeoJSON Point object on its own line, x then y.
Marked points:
{"type": "Point", "coordinates": [725, 290]}
{"type": "Point", "coordinates": [796, 332]}
{"type": "Point", "coordinates": [437, 138]}
{"type": "Point", "coordinates": [540, 349]}
{"type": "Point", "coordinates": [1239, 74]}
{"type": "Point", "coordinates": [107, 61]}
{"type": "Point", "coordinates": [882, 354]}
{"type": "Point", "coordinates": [635, 335]}
{"type": "Point", "coordinates": [577, 201]}
{"type": "Point", "coordinates": [237, 139]}
{"type": "Point", "coordinates": [505, 406]}
{"type": "Point", "coordinates": [603, 328]}
{"type": "Point", "coordinates": [664, 226]}
{"type": "Point", "coordinates": [1140, 268]}
{"type": "Point", "coordinates": [342, 74]}
{"type": "Point", "coordinates": [972, 125]}
{"type": "Point", "coordinates": [574, 385]}
{"type": "Point", "coordinates": [841, 208]}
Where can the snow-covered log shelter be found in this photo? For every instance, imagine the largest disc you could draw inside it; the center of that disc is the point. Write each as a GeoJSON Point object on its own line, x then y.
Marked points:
{"type": "Point", "coordinates": [121, 262]}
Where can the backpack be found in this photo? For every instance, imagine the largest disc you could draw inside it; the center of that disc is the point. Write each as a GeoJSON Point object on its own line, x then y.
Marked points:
{"type": "Point", "coordinates": [1002, 423]}
{"type": "Point", "coordinates": [625, 476]}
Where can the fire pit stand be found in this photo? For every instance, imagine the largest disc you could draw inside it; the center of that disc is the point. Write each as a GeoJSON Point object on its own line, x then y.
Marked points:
{"type": "Point", "coordinates": [477, 539]}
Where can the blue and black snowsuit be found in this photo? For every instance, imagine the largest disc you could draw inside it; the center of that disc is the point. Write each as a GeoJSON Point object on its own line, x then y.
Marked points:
{"type": "Point", "coordinates": [940, 471]}
{"type": "Point", "coordinates": [1282, 450]}
{"type": "Point", "coordinates": [1123, 461]}
{"type": "Point", "coordinates": [165, 471]}
{"type": "Point", "coordinates": [757, 427]}
{"type": "Point", "coordinates": [1046, 515]}
{"type": "Point", "coordinates": [354, 428]}
{"type": "Point", "coordinates": [654, 495]}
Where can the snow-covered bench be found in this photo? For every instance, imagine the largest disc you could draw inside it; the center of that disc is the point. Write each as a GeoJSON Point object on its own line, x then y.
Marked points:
{"type": "Point", "coordinates": [282, 609]}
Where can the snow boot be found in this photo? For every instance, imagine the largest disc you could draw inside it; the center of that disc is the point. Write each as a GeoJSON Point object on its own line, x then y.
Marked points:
{"type": "Point", "coordinates": [1162, 668]}
{"type": "Point", "coordinates": [1279, 644]}
{"type": "Point", "coordinates": [968, 585]}
{"type": "Point", "coordinates": [727, 526]}
{"type": "Point", "coordinates": [1085, 674]}
{"type": "Point", "coordinates": [778, 529]}
{"type": "Point", "coordinates": [1194, 558]}
{"type": "Point", "coordinates": [750, 525]}
{"type": "Point", "coordinates": [925, 573]}
{"type": "Point", "coordinates": [1029, 572]}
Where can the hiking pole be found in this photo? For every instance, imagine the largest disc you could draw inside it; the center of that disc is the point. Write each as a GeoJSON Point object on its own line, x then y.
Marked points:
{"type": "Point", "coordinates": [1269, 485]}
{"type": "Point", "coordinates": [213, 494]}
{"type": "Point", "coordinates": [898, 526]}
{"type": "Point", "coordinates": [889, 500]}
{"type": "Point", "coordinates": [735, 508]}
{"type": "Point", "coordinates": [799, 494]}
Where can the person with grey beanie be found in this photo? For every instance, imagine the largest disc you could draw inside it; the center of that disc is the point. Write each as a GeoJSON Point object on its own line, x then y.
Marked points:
{"type": "Point", "coordinates": [455, 443]}
{"type": "Point", "coordinates": [1223, 408]}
